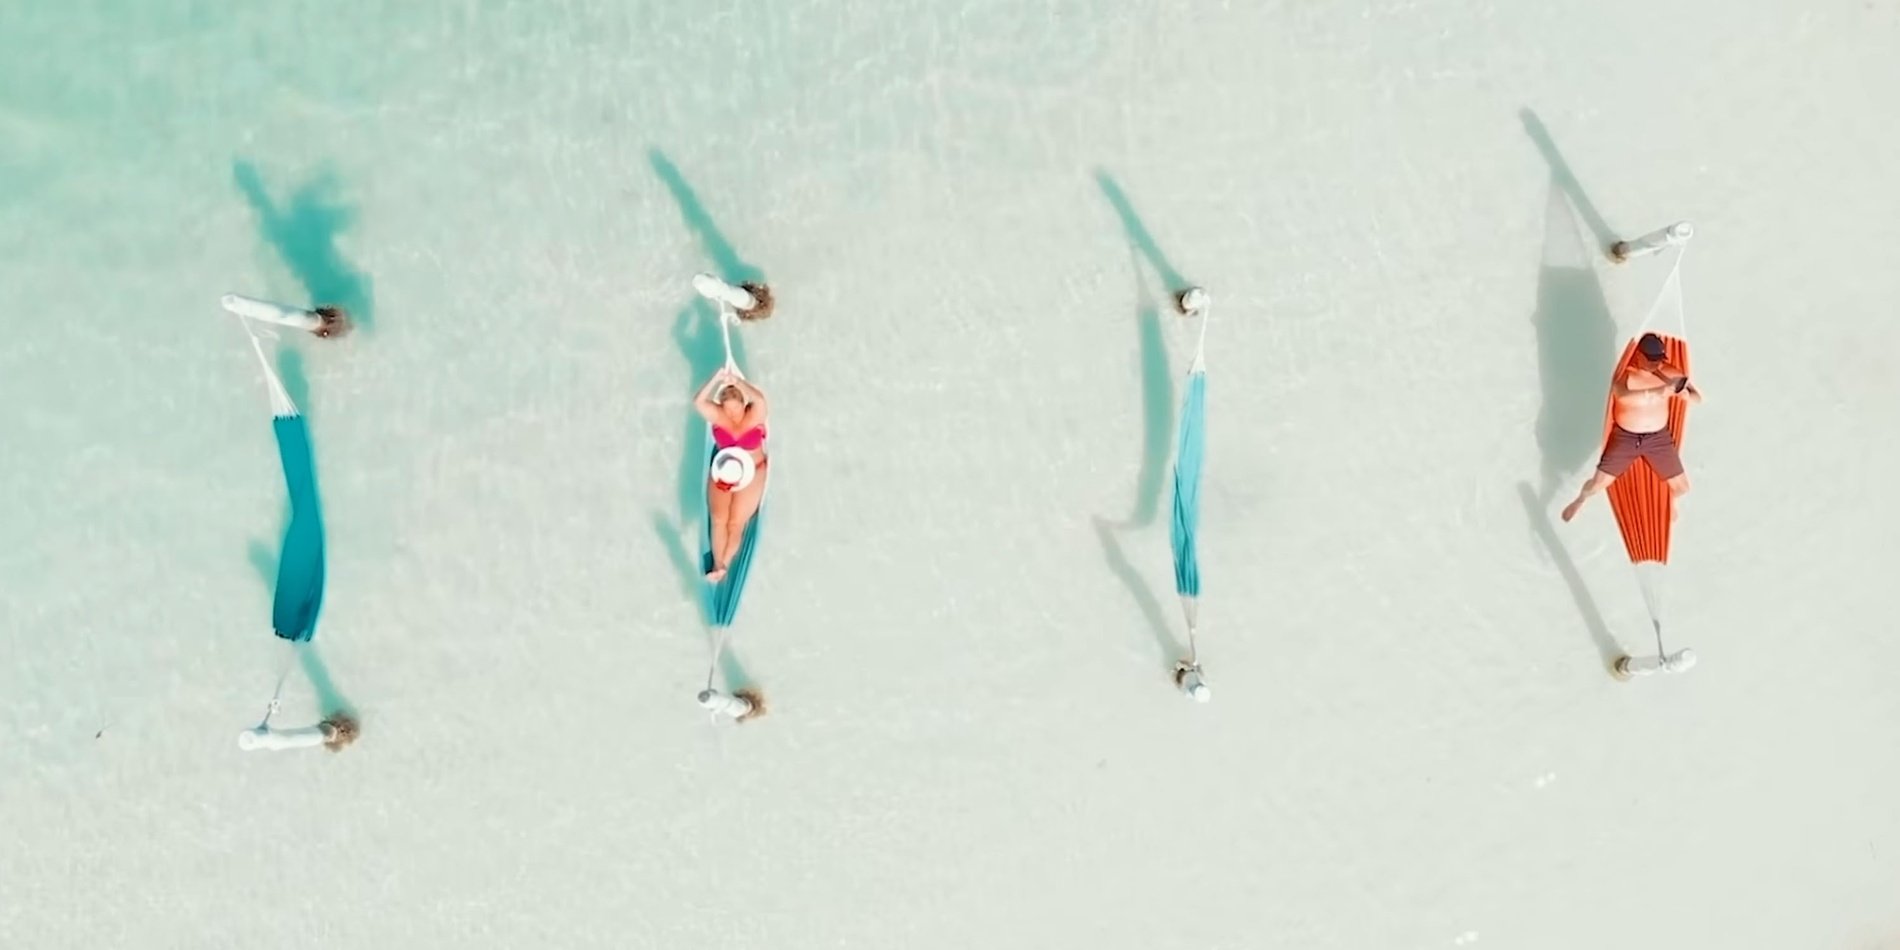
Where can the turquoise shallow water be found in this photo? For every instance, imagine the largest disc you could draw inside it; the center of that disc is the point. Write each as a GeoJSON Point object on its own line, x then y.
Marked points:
{"type": "Point", "coordinates": [963, 612]}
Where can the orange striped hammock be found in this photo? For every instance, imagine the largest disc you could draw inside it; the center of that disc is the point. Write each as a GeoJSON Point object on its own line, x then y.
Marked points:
{"type": "Point", "coordinates": [1640, 499]}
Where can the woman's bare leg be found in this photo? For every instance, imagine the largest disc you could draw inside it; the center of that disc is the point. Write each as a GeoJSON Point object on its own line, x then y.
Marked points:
{"type": "Point", "coordinates": [1598, 482]}
{"type": "Point", "coordinates": [745, 504]}
{"type": "Point", "coordinates": [719, 507]}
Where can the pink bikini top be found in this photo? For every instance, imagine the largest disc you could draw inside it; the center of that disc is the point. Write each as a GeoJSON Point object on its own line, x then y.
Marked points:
{"type": "Point", "coordinates": [750, 440]}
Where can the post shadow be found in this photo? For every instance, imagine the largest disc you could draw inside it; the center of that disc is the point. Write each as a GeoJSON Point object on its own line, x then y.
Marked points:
{"type": "Point", "coordinates": [1565, 179]}
{"type": "Point", "coordinates": [731, 267]}
{"type": "Point", "coordinates": [1537, 510]}
{"type": "Point", "coordinates": [1138, 236]}
{"type": "Point", "coordinates": [304, 232]}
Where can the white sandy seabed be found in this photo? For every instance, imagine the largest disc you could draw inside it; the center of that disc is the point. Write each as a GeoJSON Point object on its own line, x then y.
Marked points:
{"type": "Point", "coordinates": [972, 743]}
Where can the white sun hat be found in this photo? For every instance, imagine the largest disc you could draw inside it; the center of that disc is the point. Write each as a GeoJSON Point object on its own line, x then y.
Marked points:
{"type": "Point", "coordinates": [733, 468]}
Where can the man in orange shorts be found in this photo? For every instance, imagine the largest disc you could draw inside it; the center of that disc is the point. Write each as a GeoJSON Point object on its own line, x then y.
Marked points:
{"type": "Point", "coordinates": [1641, 430]}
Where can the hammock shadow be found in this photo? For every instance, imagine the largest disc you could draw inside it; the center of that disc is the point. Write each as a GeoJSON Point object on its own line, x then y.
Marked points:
{"type": "Point", "coordinates": [264, 559]}
{"type": "Point", "coordinates": [304, 232]}
{"type": "Point", "coordinates": [1171, 648]}
{"type": "Point", "coordinates": [731, 267]}
{"type": "Point", "coordinates": [696, 332]}
{"type": "Point", "coordinates": [1535, 508]}
{"type": "Point", "coordinates": [1138, 236]}
{"type": "Point", "coordinates": [1576, 346]}
{"type": "Point", "coordinates": [1157, 408]}
{"type": "Point", "coordinates": [693, 586]}
{"type": "Point", "coordinates": [1157, 403]}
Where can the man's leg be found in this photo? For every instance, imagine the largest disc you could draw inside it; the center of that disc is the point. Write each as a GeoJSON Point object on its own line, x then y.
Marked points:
{"type": "Point", "coordinates": [1599, 480]}
{"type": "Point", "coordinates": [1618, 452]}
{"type": "Point", "coordinates": [1667, 462]}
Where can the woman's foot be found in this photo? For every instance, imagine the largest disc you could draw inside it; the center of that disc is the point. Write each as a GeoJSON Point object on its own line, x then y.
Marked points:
{"type": "Point", "coordinates": [715, 575]}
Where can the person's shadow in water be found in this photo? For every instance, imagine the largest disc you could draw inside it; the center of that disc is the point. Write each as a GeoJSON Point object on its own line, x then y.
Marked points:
{"type": "Point", "coordinates": [697, 336]}
{"type": "Point", "coordinates": [1157, 402]}
{"type": "Point", "coordinates": [264, 559]}
{"type": "Point", "coordinates": [304, 231]}
{"type": "Point", "coordinates": [1576, 345]}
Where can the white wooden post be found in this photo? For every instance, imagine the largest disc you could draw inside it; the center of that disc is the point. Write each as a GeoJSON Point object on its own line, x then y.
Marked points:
{"type": "Point", "coordinates": [712, 288]}
{"type": "Point", "coordinates": [274, 740]}
{"type": "Point", "coordinates": [1678, 662]}
{"type": "Point", "coordinates": [726, 704]}
{"type": "Point", "coordinates": [1654, 241]}
{"type": "Point", "coordinates": [264, 311]}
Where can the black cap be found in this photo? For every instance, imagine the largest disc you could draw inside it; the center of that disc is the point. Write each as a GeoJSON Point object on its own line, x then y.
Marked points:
{"type": "Point", "coordinates": [1652, 347]}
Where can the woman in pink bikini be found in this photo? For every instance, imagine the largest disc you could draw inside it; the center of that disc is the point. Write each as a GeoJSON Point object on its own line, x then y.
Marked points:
{"type": "Point", "coordinates": [736, 411]}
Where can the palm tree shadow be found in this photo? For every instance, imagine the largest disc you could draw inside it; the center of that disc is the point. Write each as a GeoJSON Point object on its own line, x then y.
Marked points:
{"type": "Point", "coordinates": [1576, 345]}
{"type": "Point", "coordinates": [1535, 508]}
{"type": "Point", "coordinates": [304, 232]}
{"type": "Point", "coordinates": [732, 268]}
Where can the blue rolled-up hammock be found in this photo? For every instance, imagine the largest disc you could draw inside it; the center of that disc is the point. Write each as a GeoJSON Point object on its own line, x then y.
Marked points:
{"type": "Point", "coordinates": [1190, 447]}
{"type": "Point", "coordinates": [299, 593]}
{"type": "Point", "coordinates": [1190, 452]}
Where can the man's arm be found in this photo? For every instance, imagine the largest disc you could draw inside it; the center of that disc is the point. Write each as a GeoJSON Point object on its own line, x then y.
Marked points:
{"type": "Point", "coordinates": [1680, 386]}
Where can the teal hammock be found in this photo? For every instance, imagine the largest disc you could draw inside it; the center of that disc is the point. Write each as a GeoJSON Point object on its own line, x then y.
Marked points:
{"type": "Point", "coordinates": [299, 594]}
{"type": "Point", "coordinates": [722, 599]}
{"type": "Point", "coordinates": [1190, 456]}
{"type": "Point", "coordinates": [1188, 453]}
